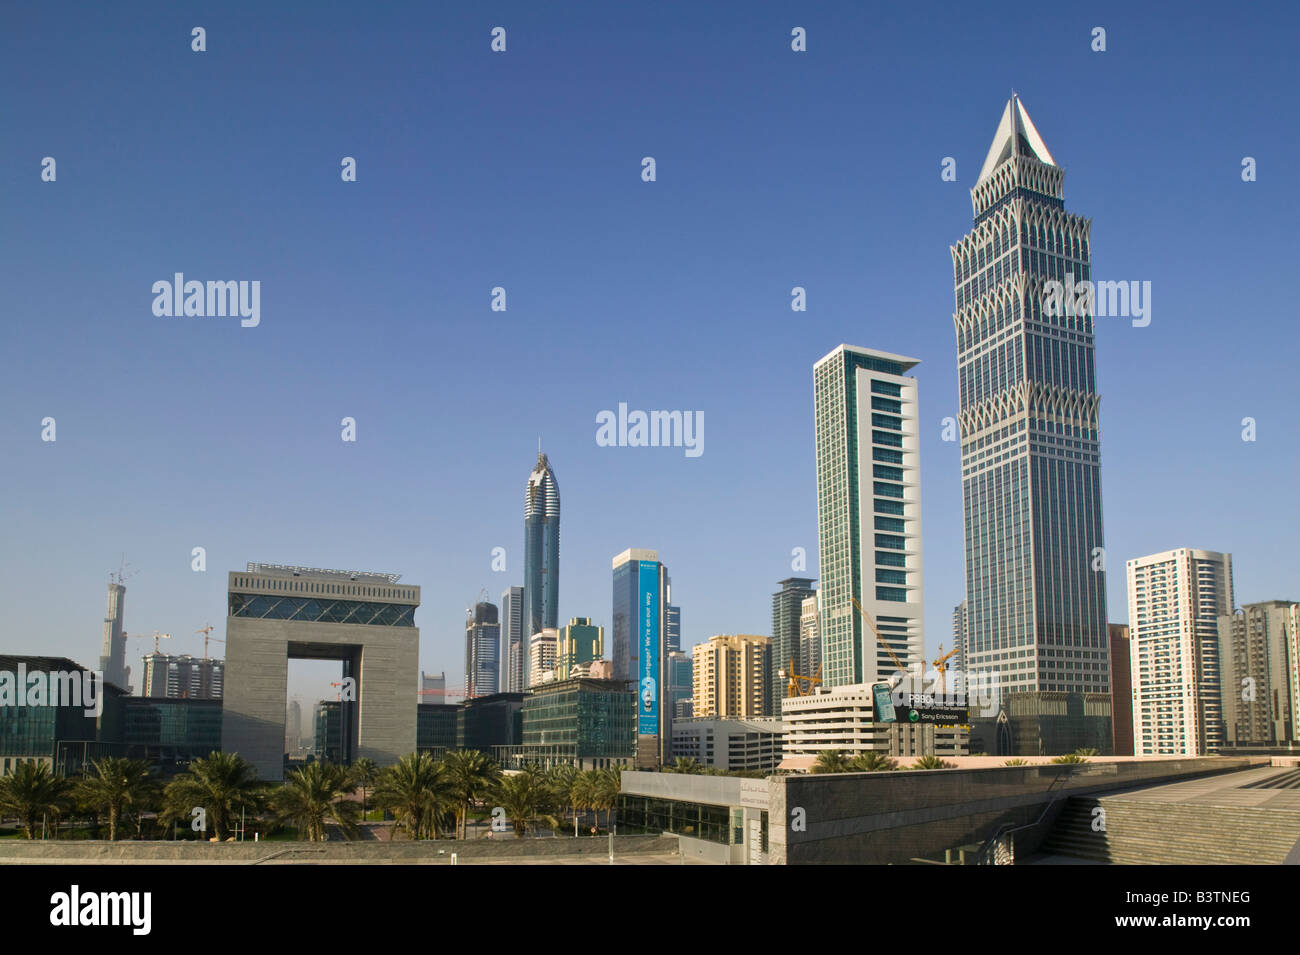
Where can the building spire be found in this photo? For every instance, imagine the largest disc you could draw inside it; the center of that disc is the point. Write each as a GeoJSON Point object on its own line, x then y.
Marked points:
{"type": "Point", "coordinates": [1016, 136]}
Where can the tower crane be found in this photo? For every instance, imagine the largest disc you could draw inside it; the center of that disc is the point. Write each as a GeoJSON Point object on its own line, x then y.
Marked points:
{"type": "Point", "coordinates": [156, 637]}
{"type": "Point", "coordinates": [795, 682]}
{"type": "Point", "coordinates": [941, 665]}
{"type": "Point", "coordinates": [206, 631]}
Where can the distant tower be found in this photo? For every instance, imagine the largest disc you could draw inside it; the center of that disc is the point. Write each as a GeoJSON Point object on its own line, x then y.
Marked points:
{"type": "Point", "coordinates": [482, 649]}
{"type": "Point", "coordinates": [787, 622]}
{"type": "Point", "coordinates": [541, 550]}
{"type": "Point", "coordinates": [514, 642]}
{"type": "Point", "coordinates": [112, 654]}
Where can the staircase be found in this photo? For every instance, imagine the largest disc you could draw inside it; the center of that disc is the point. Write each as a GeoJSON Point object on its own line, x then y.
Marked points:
{"type": "Point", "coordinates": [1149, 832]}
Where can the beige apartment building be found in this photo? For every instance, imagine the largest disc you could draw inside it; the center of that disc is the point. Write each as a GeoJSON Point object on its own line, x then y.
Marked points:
{"type": "Point", "coordinates": [730, 676]}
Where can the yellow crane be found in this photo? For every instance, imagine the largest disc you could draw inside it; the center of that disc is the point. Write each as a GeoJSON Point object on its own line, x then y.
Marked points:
{"type": "Point", "coordinates": [941, 665]}
{"type": "Point", "coordinates": [208, 630]}
{"type": "Point", "coordinates": [156, 637]}
{"type": "Point", "coordinates": [795, 682]}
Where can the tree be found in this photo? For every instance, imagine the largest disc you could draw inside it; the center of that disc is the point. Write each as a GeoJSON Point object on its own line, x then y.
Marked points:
{"type": "Point", "coordinates": [685, 764]}
{"type": "Point", "coordinates": [1087, 751]}
{"type": "Point", "coordinates": [932, 762]}
{"type": "Point", "coordinates": [32, 792]}
{"type": "Point", "coordinates": [472, 776]}
{"type": "Point", "coordinates": [583, 794]}
{"type": "Point", "coordinates": [830, 761]}
{"type": "Point", "coordinates": [872, 761]}
{"type": "Point", "coordinates": [562, 780]}
{"type": "Point", "coordinates": [363, 774]}
{"type": "Point", "coordinates": [608, 784]}
{"type": "Point", "coordinates": [417, 790]}
{"type": "Point", "coordinates": [118, 785]}
{"type": "Point", "coordinates": [1016, 762]}
{"type": "Point", "coordinates": [313, 793]}
{"type": "Point", "coordinates": [223, 784]}
{"type": "Point", "coordinates": [1069, 758]}
{"type": "Point", "coordinates": [523, 795]}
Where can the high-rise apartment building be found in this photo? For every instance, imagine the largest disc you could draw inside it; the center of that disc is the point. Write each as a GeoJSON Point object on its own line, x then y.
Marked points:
{"type": "Point", "coordinates": [1174, 601]}
{"type": "Point", "coordinates": [810, 645]}
{"type": "Point", "coordinates": [1255, 669]}
{"type": "Point", "coordinates": [1029, 431]}
{"type": "Point", "coordinates": [514, 643]}
{"type": "Point", "coordinates": [729, 673]}
{"type": "Point", "coordinates": [672, 626]}
{"type": "Point", "coordinates": [112, 653]}
{"type": "Point", "coordinates": [182, 677]}
{"type": "Point", "coordinates": [482, 651]}
{"type": "Point", "coordinates": [639, 636]}
{"type": "Point", "coordinates": [868, 513]}
{"type": "Point", "coordinates": [541, 549]}
{"type": "Point", "coordinates": [960, 636]}
{"type": "Point", "coordinates": [579, 642]}
{"type": "Point", "coordinates": [542, 647]}
{"type": "Point", "coordinates": [787, 619]}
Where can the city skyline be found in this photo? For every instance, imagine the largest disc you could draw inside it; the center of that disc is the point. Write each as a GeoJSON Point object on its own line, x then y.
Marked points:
{"type": "Point", "coordinates": [244, 456]}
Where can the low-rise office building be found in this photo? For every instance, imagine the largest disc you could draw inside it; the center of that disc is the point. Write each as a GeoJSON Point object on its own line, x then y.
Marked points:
{"type": "Point", "coordinates": [843, 719]}
{"type": "Point", "coordinates": [731, 745]}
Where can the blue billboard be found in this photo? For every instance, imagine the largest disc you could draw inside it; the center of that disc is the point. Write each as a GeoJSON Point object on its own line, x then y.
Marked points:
{"type": "Point", "coordinates": [647, 631]}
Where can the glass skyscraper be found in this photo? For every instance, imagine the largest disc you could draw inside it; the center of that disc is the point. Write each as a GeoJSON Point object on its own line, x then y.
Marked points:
{"type": "Point", "coordinates": [482, 651]}
{"type": "Point", "coordinates": [541, 551]}
{"type": "Point", "coordinates": [868, 514]}
{"type": "Point", "coordinates": [1031, 482]}
{"type": "Point", "coordinates": [639, 635]}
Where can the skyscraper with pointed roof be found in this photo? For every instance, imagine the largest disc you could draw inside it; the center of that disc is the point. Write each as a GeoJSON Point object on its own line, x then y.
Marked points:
{"type": "Point", "coordinates": [541, 549]}
{"type": "Point", "coordinates": [1031, 474]}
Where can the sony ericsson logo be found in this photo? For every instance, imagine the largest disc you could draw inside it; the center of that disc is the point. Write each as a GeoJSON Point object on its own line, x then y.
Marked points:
{"type": "Point", "coordinates": [196, 299]}
{"type": "Point", "coordinates": [76, 908]}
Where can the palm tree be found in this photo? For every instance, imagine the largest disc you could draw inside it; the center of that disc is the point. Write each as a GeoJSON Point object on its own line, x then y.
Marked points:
{"type": "Point", "coordinates": [1069, 758]}
{"type": "Point", "coordinates": [608, 784]}
{"type": "Point", "coordinates": [417, 790]}
{"type": "Point", "coordinates": [685, 764]}
{"type": "Point", "coordinates": [830, 761]}
{"type": "Point", "coordinates": [33, 792]}
{"type": "Point", "coordinates": [311, 794]}
{"type": "Point", "coordinates": [1016, 762]}
{"type": "Point", "coordinates": [223, 784]}
{"type": "Point", "coordinates": [872, 761]}
{"type": "Point", "coordinates": [472, 776]}
{"type": "Point", "coordinates": [363, 774]}
{"type": "Point", "coordinates": [561, 780]}
{"type": "Point", "coordinates": [1087, 751]}
{"type": "Point", "coordinates": [583, 794]}
{"type": "Point", "coordinates": [118, 785]}
{"type": "Point", "coordinates": [932, 762]}
{"type": "Point", "coordinates": [523, 796]}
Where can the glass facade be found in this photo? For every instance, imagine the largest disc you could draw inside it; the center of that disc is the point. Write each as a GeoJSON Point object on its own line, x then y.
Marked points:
{"type": "Point", "coordinates": [787, 609]}
{"type": "Point", "coordinates": [317, 610]}
{"type": "Point", "coordinates": [697, 820]}
{"type": "Point", "coordinates": [435, 727]}
{"type": "Point", "coordinates": [591, 718]}
{"type": "Point", "coordinates": [1029, 429]}
{"type": "Point", "coordinates": [541, 550]}
{"type": "Point", "coordinates": [170, 731]}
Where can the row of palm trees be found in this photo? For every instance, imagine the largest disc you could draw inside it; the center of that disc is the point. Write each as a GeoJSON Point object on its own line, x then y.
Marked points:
{"type": "Point", "coordinates": [836, 761]}
{"type": "Point", "coordinates": [427, 797]}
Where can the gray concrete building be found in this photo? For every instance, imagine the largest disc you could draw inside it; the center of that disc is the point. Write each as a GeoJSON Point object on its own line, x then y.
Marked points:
{"type": "Point", "coordinates": [364, 620]}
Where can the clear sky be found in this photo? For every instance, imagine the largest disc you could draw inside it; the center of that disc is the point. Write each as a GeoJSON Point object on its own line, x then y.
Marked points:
{"type": "Point", "coordinates": [476, 169]}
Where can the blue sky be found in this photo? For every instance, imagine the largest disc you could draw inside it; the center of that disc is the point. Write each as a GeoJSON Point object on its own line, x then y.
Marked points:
{"type": "Point", "coordinates": [522, 170]}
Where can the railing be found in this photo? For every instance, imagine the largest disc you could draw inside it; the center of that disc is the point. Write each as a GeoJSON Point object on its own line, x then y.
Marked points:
{"type": "Point", "coordinates": [989, 854]}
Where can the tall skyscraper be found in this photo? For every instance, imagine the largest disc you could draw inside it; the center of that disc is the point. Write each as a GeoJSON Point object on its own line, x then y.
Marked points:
{"type": "Point", "coordinates": [787, 616]}
{"type": "Point", "coordinates": [960, 636]}
{"type": "Point", "coordinates": [810, 643]}
{"type": "Point", "coordinates": [868, 513]}
{"type": "Point", "coordinates": [1031, 481]}
{"type": "Point", "coordinates": [730, 676]}
{"type": "Point", "coordinates": [482, 651]}
{"type": "Point", "coordinates": [1175, 599]}
{"type": "Point", "coordinates": [112, 653]}
{"type": "Point", "coordinates": [541, 549]}
{"type": "Point", "coordinates": [1255, 667]}
{"type": "Point", "coordinates": [641, 587]}
{"type": "Point", "coordinates": [514, 644]}
{"type": "Point", "coordinates": [673, 627]}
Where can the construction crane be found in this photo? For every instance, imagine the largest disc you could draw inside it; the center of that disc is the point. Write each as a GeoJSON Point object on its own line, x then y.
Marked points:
{"type": "Point", "coordinates": [208, 630]}
{"type": "Point", "coordinates": [941, 665]}
{"type": "Point", "coordinates": [156, 637]}
{"type": "Point", "coordinates": [879, 639]}
{"type": "Point", "coordinates": [120, 576]}
{"type": "Point", "coordinates": [795, 682]}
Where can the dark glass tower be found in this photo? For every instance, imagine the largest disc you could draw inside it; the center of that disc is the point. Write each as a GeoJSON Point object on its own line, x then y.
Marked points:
{"type": "Point", "coordinates": [1031, 478]}
{"type": "Point", "coordinates": [541, 550]}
